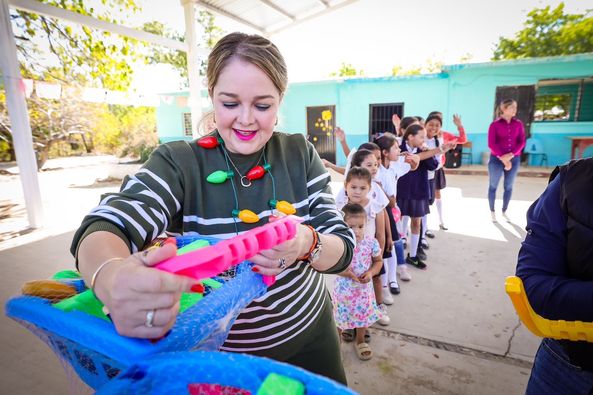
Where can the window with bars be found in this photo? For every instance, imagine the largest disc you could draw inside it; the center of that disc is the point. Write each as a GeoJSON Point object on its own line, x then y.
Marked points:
{"type": "Point", "coordinates": [380, 117]}
{"type": "Point", "coordinates": [571, 101]}
{"type": "Point", "coordinates": [187, 132]}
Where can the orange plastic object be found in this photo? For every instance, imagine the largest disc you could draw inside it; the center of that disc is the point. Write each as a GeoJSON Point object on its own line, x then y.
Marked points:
{"type": "Point", "coordinates": [540, 326]}
{"type": "Point", "coordinates": [48, 289]}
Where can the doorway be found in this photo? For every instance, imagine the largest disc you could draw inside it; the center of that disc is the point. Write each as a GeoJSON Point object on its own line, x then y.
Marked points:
{"type": "Point", "coordinates": [321, 121]}
{"type": "Point", "coordinates": [524, 95]}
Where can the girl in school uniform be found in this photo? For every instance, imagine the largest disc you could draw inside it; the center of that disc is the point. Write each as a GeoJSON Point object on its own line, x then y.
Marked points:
{"type": "Point", "coordinates": [434, 123]}
{"type": "Point", "coordinates": [414, 190]}
{"type": "Point", "coordinates": [389, 171]}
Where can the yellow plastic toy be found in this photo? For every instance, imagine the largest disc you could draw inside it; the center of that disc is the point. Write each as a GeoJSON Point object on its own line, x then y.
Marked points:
{"type": "Point", "coordinates": [540, 326]}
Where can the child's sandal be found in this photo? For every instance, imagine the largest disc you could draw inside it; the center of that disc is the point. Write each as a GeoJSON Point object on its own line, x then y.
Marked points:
{"type": "Point", "coordinates": [348, 335]}
{"type": "Point", "coordinates": [364, 352]}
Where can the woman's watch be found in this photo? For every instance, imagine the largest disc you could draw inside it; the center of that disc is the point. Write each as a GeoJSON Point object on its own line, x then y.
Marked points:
{"type": "Point", "coordinates": [315, 251]}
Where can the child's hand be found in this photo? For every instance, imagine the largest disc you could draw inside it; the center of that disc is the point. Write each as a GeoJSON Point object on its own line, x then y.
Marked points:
{"type": "Point", "coordinates": [457, 121]}
{"type": "Point", "coordinates": [366, 277]}
{"type": "Point", "coordinates": [388, 244]}
{"type": "Point", "coordinates": [326, 163]}
{"type": "Point", "coordinates": [448, 146]}
{"type": "Point", "coordinates": [413, 160]}
{"type": "Point", "coordinates": [340, 135]}
{"type": "Point", "coordinates": [396, 121]}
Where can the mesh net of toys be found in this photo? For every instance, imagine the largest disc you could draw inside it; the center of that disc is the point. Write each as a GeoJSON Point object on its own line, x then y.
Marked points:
{"type": "Point", "coordinates": [73, 322]}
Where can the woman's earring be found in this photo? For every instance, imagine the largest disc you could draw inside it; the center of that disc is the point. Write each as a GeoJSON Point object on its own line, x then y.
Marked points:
{"type": "Point", "coordinates": [276, 121]}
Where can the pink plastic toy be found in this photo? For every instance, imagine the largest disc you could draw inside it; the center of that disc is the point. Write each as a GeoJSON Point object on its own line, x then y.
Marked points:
{"type": "Point", "coordinates": [211, 261]}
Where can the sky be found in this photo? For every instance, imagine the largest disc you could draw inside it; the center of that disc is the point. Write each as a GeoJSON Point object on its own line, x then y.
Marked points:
{"type": "Point", "coordinates": [376, 35]}
{"type": "Point", "coordinates": [371, 35]}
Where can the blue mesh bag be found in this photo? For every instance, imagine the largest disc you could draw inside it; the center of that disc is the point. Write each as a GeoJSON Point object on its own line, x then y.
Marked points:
{"type": "Point", "coordinates": [186, 373]}
{"type": "Point", "coordinates": [92, 348]}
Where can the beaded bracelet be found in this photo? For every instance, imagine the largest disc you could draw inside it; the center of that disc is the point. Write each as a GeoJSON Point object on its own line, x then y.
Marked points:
{"type": "Point", "coordinates": [94, 277]}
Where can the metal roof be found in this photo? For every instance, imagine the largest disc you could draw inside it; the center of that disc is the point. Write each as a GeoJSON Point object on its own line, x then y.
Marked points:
{"type": "Point", "coordinates": [272, 16]}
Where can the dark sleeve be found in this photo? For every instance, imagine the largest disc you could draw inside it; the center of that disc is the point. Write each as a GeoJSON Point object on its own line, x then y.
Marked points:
{"type": "Point", "coordinates": [430, 163]}
{"type": "Point", "coordinates": [542, 263]}
{"type": "Point", "coordinates": [323, 213]}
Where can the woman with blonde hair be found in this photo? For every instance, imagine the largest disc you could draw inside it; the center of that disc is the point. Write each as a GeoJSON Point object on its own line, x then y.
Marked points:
{"type": "Point", "coordinates": [293, 321]}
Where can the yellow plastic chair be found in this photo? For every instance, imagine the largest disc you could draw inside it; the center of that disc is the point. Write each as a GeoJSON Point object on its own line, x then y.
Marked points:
{"type": "Point", "coordinates": [540, 326]}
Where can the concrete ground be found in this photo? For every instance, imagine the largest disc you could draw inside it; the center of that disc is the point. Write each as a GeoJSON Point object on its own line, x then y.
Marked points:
{"type": "Point", "coordinates": [453, 329]}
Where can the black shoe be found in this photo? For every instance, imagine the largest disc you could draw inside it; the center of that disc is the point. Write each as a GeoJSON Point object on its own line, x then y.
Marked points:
{"type": "Point", "coordinates": [417, 263]}
{"type": "Point", "coordinates": [443, 227]}
{"type": "Point", "coordinates": [394, 288]}
{"type": "Point", "coordinates": [429, 234]}
{"type": "Point", "coordinates": [424, 244]}
{"type": "Point", "coordinates": [421, 254]}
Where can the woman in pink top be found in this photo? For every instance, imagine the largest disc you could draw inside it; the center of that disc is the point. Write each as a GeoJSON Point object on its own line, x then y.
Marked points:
{"type": "Point", "coordinates": [506, 140]}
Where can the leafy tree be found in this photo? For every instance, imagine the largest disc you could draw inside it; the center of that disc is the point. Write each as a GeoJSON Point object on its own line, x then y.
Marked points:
{"type": "Point", "coordinates": [347, 70]}
{"type": "Point", "coordinates": [84, 55]}
{"type": "Point", "coordinates": [398, 71]}
{"type": "Point", "coordinates": [53, 123]}
{"type": "Point", "coordinates": [178, 59]}
{"type": "Point", "coordinates": [548, 32]}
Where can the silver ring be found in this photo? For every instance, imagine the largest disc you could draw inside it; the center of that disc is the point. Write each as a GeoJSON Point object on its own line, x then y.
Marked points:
{"type": "Point", "coordinates": [282, 263]}
{"type": "Point", "coordinates": [150, 318]}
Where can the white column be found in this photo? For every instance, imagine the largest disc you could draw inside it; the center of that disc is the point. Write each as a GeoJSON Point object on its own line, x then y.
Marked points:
{"type": "Point", "coordinates": [193, 64]}
{"type": "Point", "coordinates": [19, 119]}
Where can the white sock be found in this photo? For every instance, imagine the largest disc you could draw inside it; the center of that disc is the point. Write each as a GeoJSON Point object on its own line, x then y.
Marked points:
{"type": "Point", "coordinates": [424, 226]}
{"type": "Point", "coordinates": [414, 239]}
{"type": "Point", "coordinates": [405, 223]}
{"type": "Point", "coordinates": [391, 266]}
{"type": "Point", "coordinates": [384, 279]}
{"type": "Point", "coordinates": [439, 204]}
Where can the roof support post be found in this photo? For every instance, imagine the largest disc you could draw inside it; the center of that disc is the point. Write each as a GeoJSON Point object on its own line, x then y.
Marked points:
{"type": "Point", "coordinates": [19, 119]}
{"type": "Point", "coordinates": [193, 64]}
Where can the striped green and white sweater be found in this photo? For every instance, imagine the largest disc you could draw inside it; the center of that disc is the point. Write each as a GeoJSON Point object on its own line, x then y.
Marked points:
{"type": "Point", "coordinates": [170, 193]}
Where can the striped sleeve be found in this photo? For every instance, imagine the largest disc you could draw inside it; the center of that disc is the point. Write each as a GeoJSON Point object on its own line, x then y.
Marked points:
{"type": "Point", "coordinates": [323, 213]}
{"type": "Point", "coordinates": [146, 204]}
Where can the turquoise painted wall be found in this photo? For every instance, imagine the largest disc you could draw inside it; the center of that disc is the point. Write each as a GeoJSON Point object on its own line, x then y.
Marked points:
{"type": "Point", "coordinates": [468, 90]}
{"type": "Point", "coordinates": [169, 123]}
{"type": "Point", "coordinates": [472, 91]}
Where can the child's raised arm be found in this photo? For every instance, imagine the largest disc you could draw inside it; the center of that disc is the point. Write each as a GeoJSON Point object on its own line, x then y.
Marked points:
{"type": "Point", "coordinates": [341, 136]}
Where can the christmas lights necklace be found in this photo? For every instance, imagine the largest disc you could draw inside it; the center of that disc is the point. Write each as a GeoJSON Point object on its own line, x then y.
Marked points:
{"type": "Point", "coordinates": [245, 180]}
{"type": "Point", "coordinates": [257, 172]}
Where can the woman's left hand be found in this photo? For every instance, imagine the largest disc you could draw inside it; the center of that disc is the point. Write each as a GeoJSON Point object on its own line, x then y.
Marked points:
{"type": "Point", "coordinates": [275, 260]}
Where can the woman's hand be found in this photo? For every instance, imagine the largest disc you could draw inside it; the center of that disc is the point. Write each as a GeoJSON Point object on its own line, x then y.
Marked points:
{"type": "Point", "coordinates": [132, 291]}
{"type": "Point", "coordinates": [275, 260]}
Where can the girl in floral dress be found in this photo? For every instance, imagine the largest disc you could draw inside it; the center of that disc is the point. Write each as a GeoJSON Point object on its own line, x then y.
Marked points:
{"type": "Point", "coordinates": [354, 298]}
